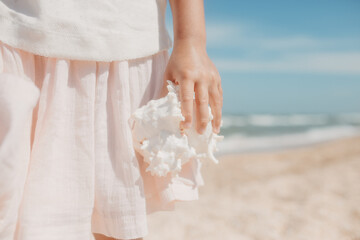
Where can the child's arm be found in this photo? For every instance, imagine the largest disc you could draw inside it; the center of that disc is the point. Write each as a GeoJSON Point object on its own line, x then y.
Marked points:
{"type": "Point", "coordinates": [191, 67]}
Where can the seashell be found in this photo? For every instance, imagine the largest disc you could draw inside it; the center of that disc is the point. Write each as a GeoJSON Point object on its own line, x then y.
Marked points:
{"type": "Point", "coordinates": [159, 139]}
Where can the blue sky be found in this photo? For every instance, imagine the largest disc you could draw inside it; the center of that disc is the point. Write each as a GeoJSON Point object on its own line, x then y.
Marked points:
{"type": "Point", "coordinates": [285, 56]}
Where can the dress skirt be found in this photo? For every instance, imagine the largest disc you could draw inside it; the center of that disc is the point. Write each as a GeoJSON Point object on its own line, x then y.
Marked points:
{"type": "Point", "coordinates": [67, 164]}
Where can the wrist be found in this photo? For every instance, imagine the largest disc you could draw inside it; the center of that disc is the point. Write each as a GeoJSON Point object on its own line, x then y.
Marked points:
{"type": "Point", "coordinates": [193, 42]}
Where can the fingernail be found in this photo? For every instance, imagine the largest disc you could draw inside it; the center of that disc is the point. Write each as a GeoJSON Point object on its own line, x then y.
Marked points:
{"type": "Point", "coordinates": [201, 131]}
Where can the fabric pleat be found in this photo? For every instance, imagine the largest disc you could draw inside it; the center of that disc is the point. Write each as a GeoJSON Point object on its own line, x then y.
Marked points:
{"type": "Point", "coordinates": [67, 164]}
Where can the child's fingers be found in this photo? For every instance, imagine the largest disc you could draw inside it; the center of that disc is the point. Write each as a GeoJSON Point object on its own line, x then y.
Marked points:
{"type": "Point", "coordinates": [216, 102]}
{"type": "Point", "coordinates": [202, 108]}
{"type": "Point", "coordinates": [187, 99]}
{"type": "Point", "coordinates": [163, 91]}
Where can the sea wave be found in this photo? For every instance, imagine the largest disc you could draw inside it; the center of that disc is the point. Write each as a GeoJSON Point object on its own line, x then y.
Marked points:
{"type": "Point", "coordinates": [268, 120]}
{"type": "Point", "coordinates": [238, 142]}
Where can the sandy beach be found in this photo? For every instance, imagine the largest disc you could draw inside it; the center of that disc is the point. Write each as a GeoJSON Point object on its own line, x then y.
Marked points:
{"type": "Point", "coordinates": [308, 193]}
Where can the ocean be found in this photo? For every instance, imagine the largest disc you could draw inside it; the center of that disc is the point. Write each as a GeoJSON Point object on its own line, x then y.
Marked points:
{"type": "Point", "coordinates": [263, 132]}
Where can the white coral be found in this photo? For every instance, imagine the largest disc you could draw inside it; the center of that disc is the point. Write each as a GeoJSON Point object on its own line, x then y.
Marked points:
{"type": "Point", "coordinates": [157, 136]}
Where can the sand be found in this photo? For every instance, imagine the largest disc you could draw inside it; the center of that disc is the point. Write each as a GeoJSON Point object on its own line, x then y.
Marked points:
{"type": "Point", "coordinates": [306, 193]}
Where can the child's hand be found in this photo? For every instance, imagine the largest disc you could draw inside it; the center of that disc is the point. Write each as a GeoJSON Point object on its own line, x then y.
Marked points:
{"type": "Point", "coordinates": [190, 66]}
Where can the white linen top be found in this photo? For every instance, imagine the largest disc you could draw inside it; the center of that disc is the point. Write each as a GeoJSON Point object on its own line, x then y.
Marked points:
{"type": "Point", "coordinates": [101, 30]}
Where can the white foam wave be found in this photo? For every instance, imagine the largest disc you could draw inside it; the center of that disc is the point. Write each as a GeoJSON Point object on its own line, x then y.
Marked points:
{"type": "Point", "coordinates": [350, 118]}
{"type": "Point", "coordinates": [267, 120]}
{"type": "Point", "coordinates": [234, 121]}
{"type": "Point", "coordinates": [241, 143]}
{"type": "Point", "coordinates": [287, 120]}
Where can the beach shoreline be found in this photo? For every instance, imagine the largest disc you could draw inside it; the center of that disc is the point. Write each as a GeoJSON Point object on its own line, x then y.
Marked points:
{"type": "Point", "coordinates": [308, 192]}
{"type": "Point", "coordinates": [280, 149]}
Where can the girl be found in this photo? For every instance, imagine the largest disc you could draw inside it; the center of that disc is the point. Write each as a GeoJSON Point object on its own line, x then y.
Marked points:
{"type": "Point", "coordinates": [71, 74]}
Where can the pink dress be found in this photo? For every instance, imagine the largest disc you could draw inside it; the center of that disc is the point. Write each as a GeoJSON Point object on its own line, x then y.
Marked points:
{"type": "Point", "coordinates": [67, 164]}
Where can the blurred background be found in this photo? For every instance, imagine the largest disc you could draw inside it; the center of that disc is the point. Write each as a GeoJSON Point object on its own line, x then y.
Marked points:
{"type": "Point", "coordinates": [291, 80]}
{"type": "Point", "coordinates": [288, 68]}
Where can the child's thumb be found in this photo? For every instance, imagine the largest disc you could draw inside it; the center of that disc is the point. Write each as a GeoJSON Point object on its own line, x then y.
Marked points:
{"type": "Point", "coordinates": [164, 91]}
